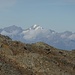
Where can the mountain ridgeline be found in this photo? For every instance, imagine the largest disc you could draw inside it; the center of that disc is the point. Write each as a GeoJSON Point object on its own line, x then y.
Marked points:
{"type": "Point", "coordinates": [64, 40]}
{"type": "Point", "coordinates": [17, 58]}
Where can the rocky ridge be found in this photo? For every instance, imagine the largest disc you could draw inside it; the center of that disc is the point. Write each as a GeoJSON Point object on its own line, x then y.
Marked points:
{"type": "Point", "coordinates": [17, 58]}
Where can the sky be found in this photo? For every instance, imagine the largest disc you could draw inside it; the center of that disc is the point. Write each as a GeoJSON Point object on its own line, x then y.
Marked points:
{"type": "Point", "coordinates": [58, 15]}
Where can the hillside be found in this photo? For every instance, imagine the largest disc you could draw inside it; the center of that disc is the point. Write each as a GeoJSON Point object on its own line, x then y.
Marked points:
{"type": "Point", "coordinates": [17, 58]}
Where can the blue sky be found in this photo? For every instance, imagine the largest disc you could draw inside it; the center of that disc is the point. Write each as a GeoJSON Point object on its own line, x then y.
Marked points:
{"type": "Point", "coordinates": [58, 15]}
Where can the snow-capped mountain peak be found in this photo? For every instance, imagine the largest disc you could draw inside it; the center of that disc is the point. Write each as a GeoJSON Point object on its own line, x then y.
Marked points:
{"type": "Point", "coordinates": [64, 40]}
{"type": "Point", "coordinates": [36, 27]}
{"type": "Point", "coordinates": [33, 28]}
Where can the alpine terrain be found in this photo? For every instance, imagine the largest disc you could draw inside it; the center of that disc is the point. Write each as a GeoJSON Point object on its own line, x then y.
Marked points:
{"type": "Point", "coordinates": [36, 33]}
{"type": "Point", "coordinates": [17, 58]}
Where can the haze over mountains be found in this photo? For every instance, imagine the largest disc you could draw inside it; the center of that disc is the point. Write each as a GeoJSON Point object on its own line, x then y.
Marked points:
{"type": "Point", "coordinates": [36, 33]}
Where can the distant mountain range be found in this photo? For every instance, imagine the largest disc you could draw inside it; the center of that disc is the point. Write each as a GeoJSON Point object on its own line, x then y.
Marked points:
{"type": "Point", "coordinates": [64, 40]}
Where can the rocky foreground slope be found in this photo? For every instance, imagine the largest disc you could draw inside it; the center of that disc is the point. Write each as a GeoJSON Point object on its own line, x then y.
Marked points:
{"type": "Point", "coordinates": [18, 58]}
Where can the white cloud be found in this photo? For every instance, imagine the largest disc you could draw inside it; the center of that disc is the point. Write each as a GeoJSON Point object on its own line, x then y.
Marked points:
{"type": "Point", "coordinates": [31, 34]}
{"type": "Point", "coordinates": [7, 3]}
{"type": "Point", "coordinates": [72, 37]}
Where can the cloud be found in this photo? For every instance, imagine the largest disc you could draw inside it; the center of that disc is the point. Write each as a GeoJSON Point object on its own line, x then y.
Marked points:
{"type": "Point", "coordinates": [72, 37]}
{"type": "Point", "coordinates": [7, 3]}
{"type": "Point", "coordinates": [31, 34]}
